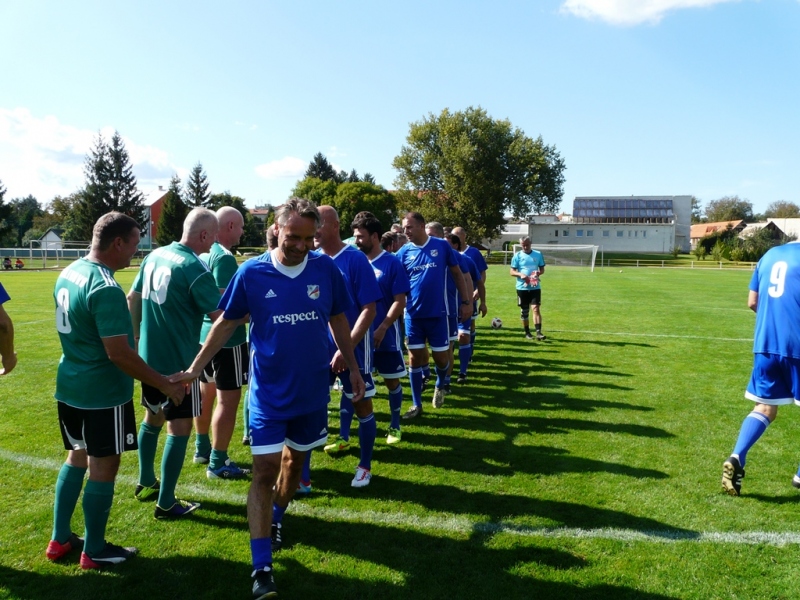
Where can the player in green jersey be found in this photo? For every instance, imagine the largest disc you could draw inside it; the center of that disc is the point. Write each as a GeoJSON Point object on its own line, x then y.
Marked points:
{"type": "Point", "coordinates": [94, 388]}
{"type": "Point", "coordinates": [172, 292]}
{"type": "Point", "coordinates": [227, 372]}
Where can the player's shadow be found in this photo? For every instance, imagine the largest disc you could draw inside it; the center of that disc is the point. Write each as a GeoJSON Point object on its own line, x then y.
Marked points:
{"type": "Point", "coordinates": [543, 400]}
{"type": "Point", "coordinates": [618, 344]}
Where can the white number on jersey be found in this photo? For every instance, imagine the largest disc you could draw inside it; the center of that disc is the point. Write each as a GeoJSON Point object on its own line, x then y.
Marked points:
{"type": "Point", "coordinates": [62, 311]}
{"type": "Point", "coordinates": [155, 284]}
{"type": "Point", "coordinates": [777, 278]}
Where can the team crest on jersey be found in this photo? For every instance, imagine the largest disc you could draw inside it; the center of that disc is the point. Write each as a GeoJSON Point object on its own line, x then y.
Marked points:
{"type": "Point", "coordinates": [434, 253]}
{"type": "Point", "coordinates": [313, 291]}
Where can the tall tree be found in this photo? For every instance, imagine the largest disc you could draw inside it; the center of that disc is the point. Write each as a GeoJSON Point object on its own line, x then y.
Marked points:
{"type": "Point", "coordinates": [697, 211]}
{"type": "Point", "coordinates": [353, 177]}
{"type": "Point", "coordinates": [173, 212]}
{"type": "Point", "coordinates": [729, 208]}
{"type": "Point", "coordinates": [110, 185]}
{"type": "Point", "coordinates": [196, 193]}
{"type": "Point", "coordinates": [5, 214]}
{"type": "Point", "coordinates": [782, 209]}
{"type": "Point", "coordinates": [23, 213]}
{"type": "Point", "coordinates": [466, 168]}
{"type": "Point", "coordinates": [320, 168]}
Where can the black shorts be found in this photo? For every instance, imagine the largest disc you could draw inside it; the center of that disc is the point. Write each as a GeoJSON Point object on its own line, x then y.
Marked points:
{"type": "Point", "coordinates": [99, 431]}
{"type": "Point", "coordinates": [153, 400]}
{"type": "Point", "coordinates": [527, 297]}
{"type": "Point", "coordinates": [229, 368]}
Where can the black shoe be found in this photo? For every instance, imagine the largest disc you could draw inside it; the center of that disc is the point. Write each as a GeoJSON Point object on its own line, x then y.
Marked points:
{"type": "Point", "coordinates": [245, 441]}
{"type": "Point", "coordinates": [425, 381]}
{"type": "Point", "coordinates": [528, 335]}
{"type": "Point", "coordinates": [264, 584]}
{"type": "Point", "coordinates": [277, 542]}
{"type": "Point", "coordinates": [732, 475]}
{"type": "Point", "coordinates": [540, 337]}
{"type": "Point", "coordinates": [110, 555]}
{"type": "Point", "coordinates": [461, 379]}
{"type": "Point", "coordinates": [413, 412]}
{"type": "Point", "coordinates": [447, 389]}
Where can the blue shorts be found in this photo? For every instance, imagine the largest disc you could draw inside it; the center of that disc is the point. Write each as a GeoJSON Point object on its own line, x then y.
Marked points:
{"type": "Point", "coordinates": [775, 380]}
{"type": "Point", "coordinates": [465, 326]}
{"type": "Point", "coordinates": [347, 389]}
{"type": "Point", "coordinates": [432, 330]}
{"type": "Point", "coordinates": [268, 435]}
{"type": "Point", "coordinates": [390, 365]}
{"type": "Point", "coordinates": [452, 327]}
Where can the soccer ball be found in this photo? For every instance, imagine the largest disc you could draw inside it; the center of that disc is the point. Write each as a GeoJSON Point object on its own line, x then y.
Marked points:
{"type": "Point", "coordinates": [497, 323]}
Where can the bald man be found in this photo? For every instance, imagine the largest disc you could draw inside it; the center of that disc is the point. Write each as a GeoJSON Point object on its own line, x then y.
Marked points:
{"type": "Point", "coordinates": [226, 373]}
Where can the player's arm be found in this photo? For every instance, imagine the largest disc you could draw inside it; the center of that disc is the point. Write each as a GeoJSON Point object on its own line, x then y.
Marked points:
{"type": "Point", "coordinates": [7, 354]}
{"type": "Point", "coordinates": [365, 319]}
{"type": "Point", "coordinates": [752, 301]}
{"type": "Point", "coordinates": [461, 286]}
{"type": "Point", "coordinates": [541, 269]}
{"type": "Point", "coordinates": [221, 331]}
{"type": "Point", "coordinates": [395, 310]}
{"type": "Point", "coordinates": [135, 307]}
{"type": "Point", "coordinates": [480, 292]}
{"type": "Point", "coordinates": [340, 329]}
{"type": "Point", "coordinates": [129, 362]}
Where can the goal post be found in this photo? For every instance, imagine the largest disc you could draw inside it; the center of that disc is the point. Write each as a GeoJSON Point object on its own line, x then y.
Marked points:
{"type": "Point", "coordinates": [575, 255]}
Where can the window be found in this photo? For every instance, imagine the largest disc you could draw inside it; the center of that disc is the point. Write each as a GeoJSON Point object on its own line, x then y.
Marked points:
{"type": "Point", "coordinates": [606, 233]}
{"type": "Point", "coordinates": [565, 233]}
{"type": "Point", "coordinates": [629, 232]}
{"type": "Point", "coordinates": [620, 233]}
{"type": "Point", "coordinates": [644, 233]}
{"type": "Point", "coordinates": [556, 232]}
{"type": "Point", "coordinates": [590, 233]}
{"type": "Point", "coordinates": [579, 232]}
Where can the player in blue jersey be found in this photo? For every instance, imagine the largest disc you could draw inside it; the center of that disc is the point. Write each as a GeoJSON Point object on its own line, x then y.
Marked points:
{"type": "Point", "coordinates": [427, 260]}
{"type": "Point", "coordinates": [292, 295]}
{"type": "Point", "coordinates": [480, 291]}
{"type": "Point", "coordinates": [464, 332]}
{"type": "Point", "coordinates": [527, 266]}
{"type": "Point", "coordinates": [8, 358]}
{"type": "Point", "coordinates": [364, 291]}
{"type": "Point", "coordinates": [775, 379]}
{"type": "Point", "coordinates": [394, 285]}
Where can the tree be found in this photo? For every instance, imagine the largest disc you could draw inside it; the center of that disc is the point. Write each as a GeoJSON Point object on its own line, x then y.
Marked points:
{"type": "Point", "coordinates": [353, 197]}
{"type": "Point", "coordinates": [697, 211]}
{"type": "Point", "coordinates": [5, 214]}
{"type": "Point", "coordinates": [729, 208]}
{"type": "Point", "coordinates": [353, 177]}
{"type": "Point", "coordinates": [23, 213]}
{"type": "Point", "coordinates": [369, 178]}
{"type": "Point", "coordinates": [110, 185]}
{"type": "Point", "coordinates": [467, 169]}
{"type": "Point", "coordinates": [318, 191]}
{"type": "Point", "coordinates": [781, 209]}
{"type": "Point", "coordinates": [173, 212]}
{"type": "Point", "coordinates": [197, 193]}
{"type": "Point", "coordinates": [320, 168]}
{"type": "Point", "coordinates": [63, 209]}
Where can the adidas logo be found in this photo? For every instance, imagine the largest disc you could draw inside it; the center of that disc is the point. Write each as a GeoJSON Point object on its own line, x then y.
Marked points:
{"type": "Point", "coordinates": [324, 431]}
{"type": "Point", "coordinates": [271, 294]}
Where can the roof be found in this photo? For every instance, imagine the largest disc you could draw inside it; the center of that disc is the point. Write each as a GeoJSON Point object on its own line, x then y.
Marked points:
{"type": "Point", "coordinates": [700, 230]}
{"type": "Point", "coordinates": [56, 230]}
{"type": "Point", "coordinates": [788, 226]}
{"type": "Point", "coordinates": [154, 196]}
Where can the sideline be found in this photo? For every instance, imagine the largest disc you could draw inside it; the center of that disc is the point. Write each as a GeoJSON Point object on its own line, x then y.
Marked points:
{"type": "Point", "coordinates": [657, 335]}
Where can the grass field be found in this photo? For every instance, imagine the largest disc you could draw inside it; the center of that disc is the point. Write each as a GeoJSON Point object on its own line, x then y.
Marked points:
{"type": "Point", "coordinates": [587, 466]}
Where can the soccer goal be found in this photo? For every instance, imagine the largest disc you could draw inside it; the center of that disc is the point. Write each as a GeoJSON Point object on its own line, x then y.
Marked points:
{"type": "Point", "coordinates": [576, 255]}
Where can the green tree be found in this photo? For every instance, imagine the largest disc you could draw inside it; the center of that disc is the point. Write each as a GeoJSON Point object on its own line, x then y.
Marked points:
{"type": "Point", "coordinates": [6, 226]}
{"type": "Point", "coordinates": [781, 209]}
{"type": "Point", "coordinates": [23, 212]}
{"type": "Point", "coordinates": [63, 209]}
{"type": "Point", "coordinates": [110, 185]}
{"type": "Point", "coordinates": [320, 168]}
{"type": "Point", "coordinates": [173, 212]}
{"type": "Point", "coordinates": [697, 211]}
{"type": "Point", "coordinates": [318, 191]}
{"type": "Point", "coordinates": [196, 193]}
{"type": "Point", "coordinates": [467, 169]}
{"type": "Point", "coordinates": [353, 197]}
{"type": "Point", "coordinates": [729, 208]}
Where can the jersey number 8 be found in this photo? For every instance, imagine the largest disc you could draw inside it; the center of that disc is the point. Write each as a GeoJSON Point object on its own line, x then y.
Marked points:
{"type": "Point", "coordinates": [62, 311]}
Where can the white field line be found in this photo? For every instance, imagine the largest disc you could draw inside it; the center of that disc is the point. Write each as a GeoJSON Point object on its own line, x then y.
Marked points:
{"type": "Point", "coordinates": [32, 322]}
{"type": "Point", "coordinates": [454, 523]}
{"type": "Point", "coordinates": [656, 335]}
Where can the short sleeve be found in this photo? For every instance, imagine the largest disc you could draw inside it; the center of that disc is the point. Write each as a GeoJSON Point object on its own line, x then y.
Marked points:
{"type": "Point", "coordinates": [110, 312]}
{"type": "Point", "coordinates": [224, 269]}
{"type": "Point", "coordinates": [205, 293]}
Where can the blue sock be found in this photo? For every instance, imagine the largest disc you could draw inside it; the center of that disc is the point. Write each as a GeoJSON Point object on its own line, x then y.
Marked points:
{"type": "Point", "coordinates": [441, 374]}
{"type": "Point", "coordinates": [464, 357]}
{"type": "Point", "coordinates": [277, 513]}
{"type": "Point", "coordinates": [367, 431]}
{"type": "Point", "coordinates": [261, 551]}
{"type": "Point", "coordinates": [346, 413]}
{"type": "Point", "coordinates": [305, 476]}
{"type": "Point", "coordinates": [416, 385]}
{"type": "Point", "coordinates": [395, 405]}
{"type": "Point", "coordinates": [426, 371]}
{"type": "Point", "coordinates": [753, 426]}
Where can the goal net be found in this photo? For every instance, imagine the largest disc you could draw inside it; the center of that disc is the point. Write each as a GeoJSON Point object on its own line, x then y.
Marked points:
{"type": "Point", "coordinates": [563, 255]}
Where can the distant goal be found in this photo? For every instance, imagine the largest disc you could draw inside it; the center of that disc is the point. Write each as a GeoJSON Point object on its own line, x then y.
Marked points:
{"type": "Point", "coordinates": [576, 255]}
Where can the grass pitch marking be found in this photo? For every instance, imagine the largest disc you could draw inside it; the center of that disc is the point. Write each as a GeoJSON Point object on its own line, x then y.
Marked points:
{"type": "Point", "coordinates": [656, 335]}
{"type": "Point", "coordinates": [455, 524]}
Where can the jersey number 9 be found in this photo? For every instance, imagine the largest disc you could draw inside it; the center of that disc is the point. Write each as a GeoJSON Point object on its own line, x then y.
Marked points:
{"type": "Point", "coordinates": [156, 282]}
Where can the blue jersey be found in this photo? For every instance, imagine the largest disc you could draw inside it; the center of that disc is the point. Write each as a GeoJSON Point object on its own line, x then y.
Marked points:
{"type": "Point", "coordinates": [360, 281]}
{"type": "Point", "coordinates": [4, 297]}
{"type": "Point", "coordinates": [527, 264]}
{"type": "Point", "coordinates": [468, 268]}
{"type": "Point", "coordinates": [289, 310]}
{"type": "Point", "coordinates": [427, 268]}
{"type": "Point", "coordinates": [476, 257]}
{"type": "Point", "coordinates": [777, 281]}
{"type": "Point", "coordinates": [392, 280]}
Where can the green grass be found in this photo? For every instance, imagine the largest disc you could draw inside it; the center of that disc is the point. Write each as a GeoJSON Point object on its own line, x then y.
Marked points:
{"type": "Point", "coordinates": [587, 466]}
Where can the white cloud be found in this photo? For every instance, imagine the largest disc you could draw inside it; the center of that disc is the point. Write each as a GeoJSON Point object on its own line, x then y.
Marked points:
{"type": "Point", "coordinates": [333, 152]}
{"type": "Point", "coordinates": [286, 167]}
{"type": "Point", "coordinates": [44, 157]}
{"type": "Point", "coordinates": [631, 12]}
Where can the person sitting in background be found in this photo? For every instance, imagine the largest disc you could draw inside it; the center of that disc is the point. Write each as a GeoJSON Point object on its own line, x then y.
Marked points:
{"type": "Point", "coordinates": [7, 263]}
{"type": "Point", "coordinates": [19, 264]}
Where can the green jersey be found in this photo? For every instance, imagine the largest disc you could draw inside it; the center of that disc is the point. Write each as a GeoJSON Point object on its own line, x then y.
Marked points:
{"type": "Point", "coordinates": [90, 306]}
{"type": "Point", "coordinates": [177, 290]}
{"type": "Point", "coordinates": [223, 266]}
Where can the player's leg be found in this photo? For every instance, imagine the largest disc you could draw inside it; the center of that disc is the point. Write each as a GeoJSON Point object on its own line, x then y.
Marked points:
{"type": "Point", "coordinates": [464, 352]}
{"type": "Point", "coordinates": [391, 367]}
{"type": "Point", "coordinates": [417, 358]}
{"type": "Point", "coordinates": [524, 303]}
{"type": "Point", "coordinates": [440, 350]}
{"type": "Point", "coordinates": [536, 303]}
{"type": "Point", "coordinates": [202, 422]}
{"type": "Point", "coordinates": [266, 467]}
{"type": "Point", "coordinates": [152, 423]}
{"type": "Point", "coordinates": [341, 443]}
{"type": "Point", "coordinates": [367, 432]}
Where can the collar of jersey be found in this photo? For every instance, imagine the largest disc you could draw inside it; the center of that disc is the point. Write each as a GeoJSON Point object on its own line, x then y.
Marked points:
{"type": "Point", "coordinates": [290, 272]}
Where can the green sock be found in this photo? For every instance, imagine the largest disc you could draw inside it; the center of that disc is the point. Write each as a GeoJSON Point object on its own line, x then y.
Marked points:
{"type": "Point", "coordinates": [68, 490]}
{"type": "Point", "coordinates": [218, 458]}
{"type": "Point", "coordinates": [202, 444]}
{"type": "Point", "coordinates": [148, 444]}
{"type": "Point", "coordinates": [171, 465]}
{"type": "Point", "coordinates": [97, 499]}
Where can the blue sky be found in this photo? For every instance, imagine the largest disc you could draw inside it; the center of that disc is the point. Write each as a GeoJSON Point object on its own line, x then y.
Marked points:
{"type": "Point", "coordinates": [640, 96]}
